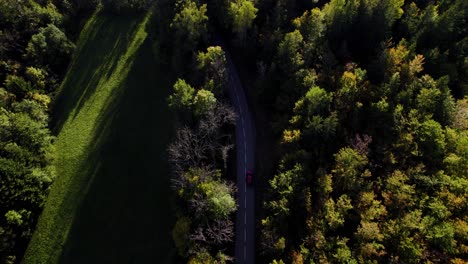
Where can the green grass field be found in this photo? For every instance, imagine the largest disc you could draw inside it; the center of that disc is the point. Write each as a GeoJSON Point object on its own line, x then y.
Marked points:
{"type": "Point", "coordinates": [110, 202]}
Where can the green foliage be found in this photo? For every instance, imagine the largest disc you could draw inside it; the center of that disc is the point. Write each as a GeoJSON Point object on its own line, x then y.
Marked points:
{"type": "Point", "coordinates": [182, 98]}
{"type": "Point", "coordinates": [369, 231]}
{"type": "Point", "coordinates": [280, 245]}
{"type": "Point", "coordinates": [335, 212]}
{"type": "Point", "coordinates": [343, 253]}
{"type": "Point", "coordinates": [290, 58]}
{"type": "Point", "coordinates": [50, 47]}
{"type": "Point", "coordinates": [352, 86]}
{"type": "Point", "coordinates": [203, 102]}
{"type": "Point", "coordinates": [370, 207]}
{"type": "Point", "coordinates": [216, 195]}
{"type": "Point", "coordinates": [34, 109]}
{"type": "Point", "coordinates": [427, 99]}
{"type": "Point", "coordinates": [277, 261]}
{"type": "Point", "coordinates": [434, 99]}
{"type": "Point", "coordinates": [27, 15]}
{"type": "Point", "coordinates": [26, 173]}
{"type": "Point", "coordinates": [311, 25]}
{"type": "Point", "coordinates": [349, 169]}
{"type": "Point", "coordinates": [437, 29]}
{"type": "Point", "coordinates": [190, 24]}
{"type": "Point", "coordinates": [210, 203]}
{"type": "Point", "coordinates": [431, 138]}
{"type": "Point", "coordinates": [374, 124]}
{"type": "Point", "coordinates": [461, 114]}
{"type": "Point", "coordinates": [219, 198]}
{"type": "Point", "coordinates": [357, 27]}
{"type": "Point", "coordinates": [180, 234]}
{"type": "Point", "coordinates": [283, 187]}
{"type": "Point", "coordinates": [398, 193]}
{"type": "Point", "coordinates": [17, 85]}
{"type": "Point", "coordinates": [202, 143]}
{"type": "Point", "coordinates": [213, 64]}
{"type": "Point", "coordinates": [440, 235]}
{"type": "Point", "coordinates": [340, 12]}
{"type": "Point", "coordinates": [33, 54]}
{"type": "Point", "coordinates": [202, 258]}
{"type": "Point", "coordinates": [37, 77]}
{"type": "Point", "coordinates": [242, 13]}
{"type": "Point", "coordinates": [26, 132]}
{"type": "Point", "coordinates": [316, 101]}
{"type": "Point", "coordinates": [456, 163]}
{"type": "Point", "coordinates": [14, 218]}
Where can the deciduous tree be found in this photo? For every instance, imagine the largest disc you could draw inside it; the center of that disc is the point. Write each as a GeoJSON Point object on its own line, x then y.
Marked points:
{"type": "Point", "coordinates": [190, 24]}
{"type": "Point", "coordinates": [182, 98]}
{"type": "Point", "coordinates": [203, 102]}
{"type": "Point", "coordinates": [50, 47]}
{"type": "Point", "coordinates": [213, 64]}
{"type": "Point", "coordinates": [242, 13]}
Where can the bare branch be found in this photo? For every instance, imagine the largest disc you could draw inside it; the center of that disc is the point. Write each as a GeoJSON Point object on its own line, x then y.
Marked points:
{"type": "Point", "coordinates": [188, 150]}
{"type": "Point", "coordinates": [221, 231]}
{"type": "Point", "coordinates": [198, 235]}
{"type": "Point", "coordinates": [361, 144]}
{"type": "Point", "coordinates": [225, 153]}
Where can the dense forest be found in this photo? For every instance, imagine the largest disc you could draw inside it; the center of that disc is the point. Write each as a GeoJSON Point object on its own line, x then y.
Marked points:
{"type": "Point", "coordinates": [364, 100]}
{"type": "Point", "coordinates": [373, 141]}
{"type": "Point", "coordinates": [34, 51]}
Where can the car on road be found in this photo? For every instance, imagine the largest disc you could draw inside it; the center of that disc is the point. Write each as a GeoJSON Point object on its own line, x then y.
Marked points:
{"type": "Point", "coordinates": [249, 177]}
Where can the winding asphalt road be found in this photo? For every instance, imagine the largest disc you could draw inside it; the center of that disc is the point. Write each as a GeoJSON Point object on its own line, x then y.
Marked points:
{"type": "Point", "coordinates": [245, 146]}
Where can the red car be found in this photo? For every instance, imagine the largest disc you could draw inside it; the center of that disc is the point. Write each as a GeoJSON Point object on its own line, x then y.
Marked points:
{"type": "Point", "coordinates": [249, 177]}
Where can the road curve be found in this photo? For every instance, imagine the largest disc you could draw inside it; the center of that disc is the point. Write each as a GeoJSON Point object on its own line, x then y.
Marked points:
{"type": "Point", "coordinates": [245, 158]}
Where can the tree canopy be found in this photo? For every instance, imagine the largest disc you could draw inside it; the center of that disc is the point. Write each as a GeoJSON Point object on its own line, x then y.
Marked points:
{"type": "Point", "coordinates": [243, 13]}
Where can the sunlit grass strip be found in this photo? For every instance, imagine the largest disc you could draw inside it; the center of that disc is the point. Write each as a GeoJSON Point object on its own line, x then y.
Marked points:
{"type": "Point", "coordinates": [73, 144]}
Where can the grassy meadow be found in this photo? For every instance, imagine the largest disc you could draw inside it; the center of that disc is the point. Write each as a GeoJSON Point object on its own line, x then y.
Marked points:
{"type": "Point", "coordinates": [111, 201]}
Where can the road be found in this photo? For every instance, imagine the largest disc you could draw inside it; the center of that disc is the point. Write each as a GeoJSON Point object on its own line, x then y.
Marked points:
{"type": "Point", "coordinates": [245, 146]}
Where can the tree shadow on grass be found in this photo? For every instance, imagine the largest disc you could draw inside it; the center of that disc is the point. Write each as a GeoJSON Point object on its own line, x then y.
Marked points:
{"type": "Point", "coordinates": [126, 214]}
{"type": "Point", "coordinates": [95, 60]}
